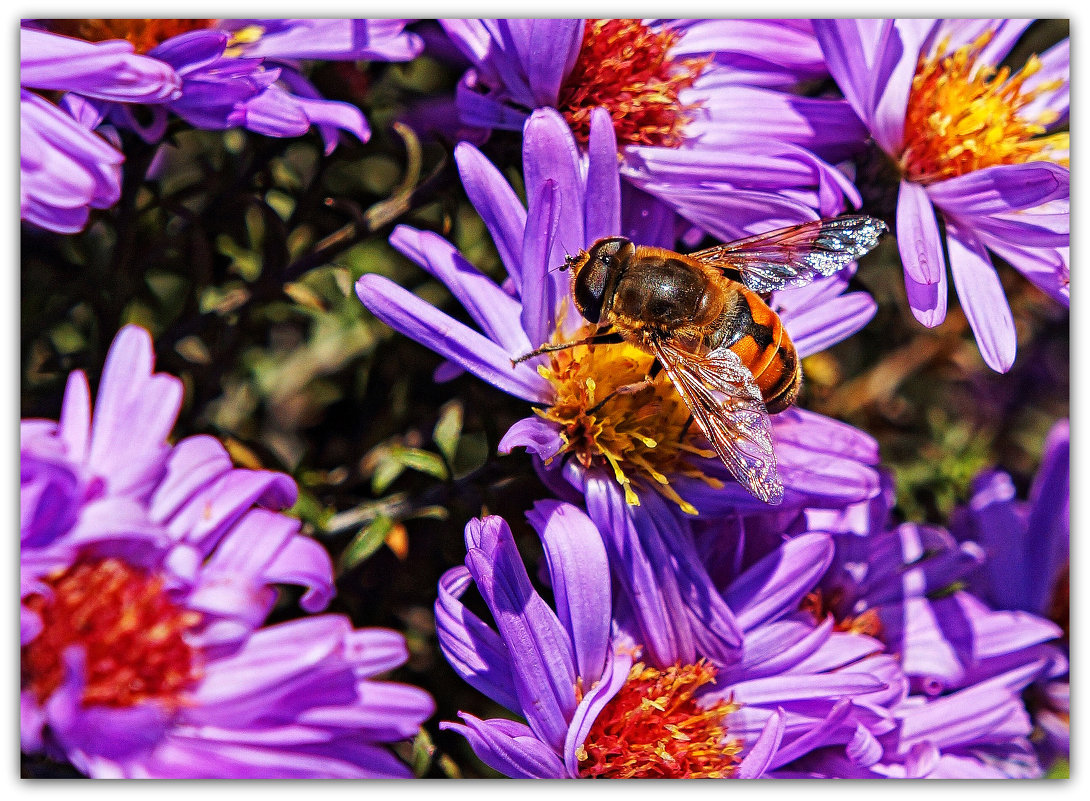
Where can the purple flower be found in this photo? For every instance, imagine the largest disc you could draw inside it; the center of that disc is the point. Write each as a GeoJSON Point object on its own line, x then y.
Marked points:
{"type": "Point", "coordinates": [631, 451]}
{"type": "Point", "coordinates": [969, 147]}
{"type": "Point", "coordinates": [1027, 545]}
{"type": "Point", "coordinates": [146, 576]}
{"type": "Point", "coordinates": [245, 73]}
{"type": "Point", "coordinates": [592, 709]}
{"type": "Point", "coordinates": [65, 168]}
{"type": "Point", "coordinates": [673, 90]}
{"type": "Point", "coordinates": [966, 663]}
{"type": "Point", "coordinates": [976, 733]}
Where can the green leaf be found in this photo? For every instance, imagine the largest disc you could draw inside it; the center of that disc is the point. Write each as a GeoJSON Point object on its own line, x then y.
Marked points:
{"type": "Point", "coordinates": [365, 543]}
{"type": "Point", "coordinates": [449, 429]}
{"type": "Point", "coordinates": [420, 460]}
{"type": "Point", "coordinates": [386, 473]}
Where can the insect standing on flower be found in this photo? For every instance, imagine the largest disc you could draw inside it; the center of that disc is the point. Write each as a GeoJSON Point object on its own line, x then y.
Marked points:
{"type": "Point", "coordinates": [705, 319]}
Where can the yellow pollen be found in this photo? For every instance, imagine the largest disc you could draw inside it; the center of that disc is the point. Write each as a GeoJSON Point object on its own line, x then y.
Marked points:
{"type": "Point", "coordinates": [641, 437]}
{"type": "Point", "coordinates": [964, 116]}
{"type": "Point", "coordinates": [656, 728]}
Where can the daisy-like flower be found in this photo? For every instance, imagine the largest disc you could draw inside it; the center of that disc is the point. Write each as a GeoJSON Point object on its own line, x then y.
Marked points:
{"type": "Point", "coordinates": [697, 120]}
{"type": "Point", "coordinates": [633, 458]}
{"type": "Point", "coordinates": [146, 576]}
{"type": "Point", "coordinates": [245, 73]}
{"type": "Point", "coordinates": [1027, 544]}
{"type": "Point", "coordinates": [595, 705]}
{"type": "Point", "coordinates": [970, 143]}
{"type": "Point", "coordinates": [967, 663]}
{"type": "Point", "coordinates": [65, 168]}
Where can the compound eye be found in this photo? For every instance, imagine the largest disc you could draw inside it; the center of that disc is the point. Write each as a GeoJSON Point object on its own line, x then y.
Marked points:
{"type": "Point", "coordinates": [590, 285]}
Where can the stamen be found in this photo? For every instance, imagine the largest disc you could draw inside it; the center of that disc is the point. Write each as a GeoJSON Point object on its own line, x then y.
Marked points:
{"type": "Point", "coordinates": [820, 606]}
{"type": "Point", "coordinates": [964, 116]}
{"type": "Point", "coordinates": [132, 633]}
{"type": "Point", "coordinates": [656, 728]}
{"type": "Point", "coordinates": [144, 34]}
{"type": "Point", "coordinates": [625, 67]}
{"type": "Point", "coordinates": [640, 437]}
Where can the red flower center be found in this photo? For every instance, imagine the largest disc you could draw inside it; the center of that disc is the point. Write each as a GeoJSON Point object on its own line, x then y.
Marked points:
{"type": "Point", "coordinates": [654, 728]}
{"type": "Point", "coordinates": [132, 633]}
{"type": "Point", "coordinates": [144, 34]}
{"type": "Point", "coordinates": [625, 67]}
{"type": "Point", "coordinates": [821, 605]}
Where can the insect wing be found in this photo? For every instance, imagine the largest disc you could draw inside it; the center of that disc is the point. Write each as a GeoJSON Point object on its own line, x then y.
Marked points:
{"type": "Point", "coordinates": [797, 255]}
{"type": "Point", "coordinates": [727, 405]}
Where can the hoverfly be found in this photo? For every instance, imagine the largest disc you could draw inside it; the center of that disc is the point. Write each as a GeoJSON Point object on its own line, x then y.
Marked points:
{"type": "Point", "coordinates": [705, 318]}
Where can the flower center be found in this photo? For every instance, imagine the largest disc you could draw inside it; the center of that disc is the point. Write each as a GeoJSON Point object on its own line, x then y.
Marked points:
{"type": "Point", "coordinates": [654, 728]}
{"type": "Point", "coordinates": [963, 116]}
{"type": "Point", "coordinates": [624, 67]}
{"type": "Point", "coordinates": [640, 435]}
{"type": "Point", "coordinates": [144, 34]}
{"type": "Point", "coordinates": [820, 605]}
{"type": "Point", "coordinates": [132, 633]}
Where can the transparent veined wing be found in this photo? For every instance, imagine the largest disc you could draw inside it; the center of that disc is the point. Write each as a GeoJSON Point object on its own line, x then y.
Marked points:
{"type": "Point", "coordinates": [797, 255]}
{"type": "Point", "coordinates": [727, 406]}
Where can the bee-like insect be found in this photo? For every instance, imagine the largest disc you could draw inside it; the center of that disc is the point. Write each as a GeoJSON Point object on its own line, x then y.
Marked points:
{"type": "Point", "coordinates": [705, 319]}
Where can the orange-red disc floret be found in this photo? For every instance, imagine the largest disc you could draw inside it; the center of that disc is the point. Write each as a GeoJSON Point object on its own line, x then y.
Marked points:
{"type": "Point", "coordinates": [820, 605]}
{"type": "Point", "coordinates": [144, 34]}
{"type": "Point", "coordinates": [655, 728]}
{"type": "Point", "coordinates": [964, 116]}
{"type": "Point", "coordinates": [133, 636]}
{"type": "Point", "coordinates": [625, 67]}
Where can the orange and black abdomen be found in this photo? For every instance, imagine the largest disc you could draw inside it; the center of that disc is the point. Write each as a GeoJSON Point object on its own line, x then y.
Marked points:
{"type": "Point", "coordinates": [758, 336]}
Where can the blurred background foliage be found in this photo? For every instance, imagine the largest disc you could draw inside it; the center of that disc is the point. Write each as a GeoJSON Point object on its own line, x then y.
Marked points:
{"type": "Point", "coordinates": [239, 253]}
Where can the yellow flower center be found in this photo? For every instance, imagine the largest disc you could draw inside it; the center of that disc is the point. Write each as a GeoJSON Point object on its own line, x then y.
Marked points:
{"type": "Point", "coordinates": [624, 67]}
{"type": "Point", "coordinates": [133, 635]}
{"type": "Point", "coordinates": [643, 437]}
{"type": "Point", "coordinates": [964, 116]}
{"type": "Point", "coordinates": [654, 728]}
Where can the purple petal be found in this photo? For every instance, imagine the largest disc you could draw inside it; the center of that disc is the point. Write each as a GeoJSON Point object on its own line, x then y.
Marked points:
{"type": "Point", "coordinates": [776, 583]}
{"type": "Point", "coordinates": [547, 49]}
{"type": "Point", "coordinates": [472, 648]}
{"type": "Point", "coordinates": [651, 590]}
{"type": "Point", "coordinates": [822, 326]}
{"type": "Point", "coordinates": [603, 199]}
{"type": "Point", "coordinates": [757, 761]}
{"type": "Point", "coordinates": [106, 70]}
{"type": "Point", "coordinates": [918, 238]}
{"type": "Point", "coordinates": [613, 678]}
{"type": "Point", "coordinates": [405, 312]}
{"type": "Point", "coordinates": [495, 311]}
{"type": "Point", "coordinates": [509, 747]}
{"type": "Point", "coordinates": [982, 299]}
{"type": "Point", "coordinates": [1008, 187]}
{"type": "Point", "coordinates": [498, 205]}
{"type": "Point", "coordinates": [892, 80]}
{"type": "Point", "coordinates": [540, 298]}
{"type": "Point", "coordinates": [543, 664]}
{"type": "Point", "coordinates": [538, 436]}
{"type": "Point", "coordinates": [134, 412]}
{"type": "Point", "coordinates": [579, 571]}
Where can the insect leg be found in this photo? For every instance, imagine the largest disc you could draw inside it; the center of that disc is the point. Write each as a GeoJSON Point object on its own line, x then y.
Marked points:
{"type": "Point", "coordinates": [630, 389]}
{"type": "Point", "coordinates": [605, 338]}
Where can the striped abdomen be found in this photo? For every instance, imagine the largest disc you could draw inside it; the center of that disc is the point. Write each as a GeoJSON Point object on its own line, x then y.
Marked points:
{"type": "Point", "coordinates": [756, 334]}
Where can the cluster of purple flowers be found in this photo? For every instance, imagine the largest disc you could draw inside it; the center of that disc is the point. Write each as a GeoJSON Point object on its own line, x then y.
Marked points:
{"type": "Point", "coordinates": [694, 630]}
{"type": "Point", "coordinates": [147, 572]}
